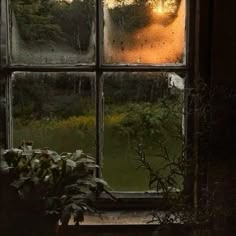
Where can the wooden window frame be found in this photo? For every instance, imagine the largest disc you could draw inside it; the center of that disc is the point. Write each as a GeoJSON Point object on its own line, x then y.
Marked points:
{"type": "Point", "coordinates": [127, 200]}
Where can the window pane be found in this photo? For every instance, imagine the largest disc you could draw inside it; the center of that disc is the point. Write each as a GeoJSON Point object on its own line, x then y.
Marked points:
{"type": "Point", "coordinates": [55, 110]}
{"type": "Point", "coordinates": [52, 31]}
{"type": "Point", "coordinates": [144, 31]}
{"type": "Point", "coordinates": [140, 109]}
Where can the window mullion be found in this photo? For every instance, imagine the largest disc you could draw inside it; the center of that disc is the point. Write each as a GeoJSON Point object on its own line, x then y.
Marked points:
{"type": "Point", "coordinates": [99, 120]}
{"type": "Point", "coordinates": [99, 87]}
{"type": "Point", "coordinates": [52, 68]}
{"type": "Point", "coordinates": [142, 68]}
{"type": "Point", "coordinates": [6, 110]}
{"type": "Point", "coordinates": [99, 33]}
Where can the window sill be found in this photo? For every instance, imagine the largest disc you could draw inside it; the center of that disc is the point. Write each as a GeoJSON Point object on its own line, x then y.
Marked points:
{"type": "Point", "coordinates": [132, 201]}
{"type": "Point", "coordinates": [117, 218]}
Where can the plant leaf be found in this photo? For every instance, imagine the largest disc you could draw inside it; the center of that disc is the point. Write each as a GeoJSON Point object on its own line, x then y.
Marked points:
{"type": "Point", "coordinates": [70, 163]}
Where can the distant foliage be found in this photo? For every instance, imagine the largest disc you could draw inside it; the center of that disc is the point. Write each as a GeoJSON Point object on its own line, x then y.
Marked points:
{"type": "Point", "coordinates": [131, 17]}
{"type": "Point", "coordinates": [55, 21]}
{"type": "Point", "coordinates": [46, 96]}
{"type": "Point", "coordinates": [76, 20]}
{"type": "Point", "coordinates": [35, 21]}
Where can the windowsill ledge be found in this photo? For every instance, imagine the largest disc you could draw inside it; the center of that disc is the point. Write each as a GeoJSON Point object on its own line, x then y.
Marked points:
{"type": "Point", "coordinates": [118, 218]}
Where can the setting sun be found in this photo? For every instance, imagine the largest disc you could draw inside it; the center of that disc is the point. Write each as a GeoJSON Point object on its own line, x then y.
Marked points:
{"type": "Point", "coordinates": [159, 10]}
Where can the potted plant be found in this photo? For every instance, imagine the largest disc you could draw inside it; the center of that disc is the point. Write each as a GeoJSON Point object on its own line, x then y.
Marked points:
{"type": "Point", "coordinates": [40, 188]}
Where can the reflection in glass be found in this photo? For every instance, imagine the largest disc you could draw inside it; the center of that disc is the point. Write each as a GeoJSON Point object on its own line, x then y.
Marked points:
{"type": "Point", "coordinates": [151, 31]}
{"type": "Point", "coordinates": [54, 32]}
{"type": "Point", "coordinates": [140, 109]}
{"type": "Point", "coordinates": [55, 110]}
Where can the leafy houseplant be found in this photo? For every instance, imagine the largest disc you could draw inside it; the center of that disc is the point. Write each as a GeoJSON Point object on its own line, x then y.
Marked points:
{"type": "Point", "coordinates": [40, 187]}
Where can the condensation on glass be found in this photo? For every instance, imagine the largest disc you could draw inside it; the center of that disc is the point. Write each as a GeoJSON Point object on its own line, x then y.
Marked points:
{"type": "Point", "coordinates": [144, 32]}
{"type": "Point", "coordinates": [52, 32]}
{"type": "Point", "coordinates": [140, 109]}
{"type": "Point", "coordinates": [55, 110]}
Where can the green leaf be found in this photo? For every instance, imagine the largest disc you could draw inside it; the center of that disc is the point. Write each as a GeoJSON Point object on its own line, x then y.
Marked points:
{"type": "Point", "coordinates": [101, 181]}
{"type": "Point", "coordinates": [55, 157]}
{"type": "Point", "coordinates": [70, 163]}
{"type": "Point", "coordinates": [78, 153]}
{"type": "Point", "coordinates": [74, 206]}
{"type": "Point", "coordinates": [4, 168]}
{"type": "Point", "coordinates": [79, 196]}
{"type": "Point", "coordinates": [92, 166]}
{"type": "Point", "coordinates": [85, 160]}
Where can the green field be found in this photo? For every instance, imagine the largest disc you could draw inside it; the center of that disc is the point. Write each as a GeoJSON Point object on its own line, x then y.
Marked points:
{"type": "Point", "coordinates": [124, 131]}
{"type": "Point", "coordinates": [57, 110]}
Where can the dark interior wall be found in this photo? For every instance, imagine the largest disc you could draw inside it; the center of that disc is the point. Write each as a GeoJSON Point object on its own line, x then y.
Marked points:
{"type": "Point", "coordinates": [222, 165]}
{"type": "Point", "coordinates": [224, 42]}
{"type": "Point", "coordinates": [223, 66]}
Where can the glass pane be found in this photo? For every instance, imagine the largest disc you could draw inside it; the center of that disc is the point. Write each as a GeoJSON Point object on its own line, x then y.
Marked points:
{"type": "Point", "coordinates": [144, 31]}
{"type": "Point", "coordinates": [55, 110]}
{"type": "Point", "coordinates": [141, 109]}
{"type": "Point", "coordinates": [55, 32]}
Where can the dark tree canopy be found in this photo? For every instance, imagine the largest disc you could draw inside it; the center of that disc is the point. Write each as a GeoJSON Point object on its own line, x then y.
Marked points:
{"type": "Point", "coordinates": [35, 20]}
{"type": "Point", "coordinates": [45, 21]}
{"type": "Point", "coordinates": [131, 17]}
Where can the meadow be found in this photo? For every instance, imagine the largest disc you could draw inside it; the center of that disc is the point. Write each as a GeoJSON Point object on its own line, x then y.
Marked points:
{"type": "Point", "coordinates": [57, 110]}
{"type": "Point", "coordinates": [123, 132]}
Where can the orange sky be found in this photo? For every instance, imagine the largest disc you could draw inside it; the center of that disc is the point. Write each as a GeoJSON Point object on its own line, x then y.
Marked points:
{"type": "Point", "coordinates": [156, 43]}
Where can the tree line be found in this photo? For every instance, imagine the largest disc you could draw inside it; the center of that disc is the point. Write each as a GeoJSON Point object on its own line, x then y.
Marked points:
{"type": "Point", "coordinates": [46, 21]}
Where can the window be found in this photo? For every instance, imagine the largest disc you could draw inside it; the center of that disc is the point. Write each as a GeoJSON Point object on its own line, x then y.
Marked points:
{"type": "Point", "coordinates": [95, 75]}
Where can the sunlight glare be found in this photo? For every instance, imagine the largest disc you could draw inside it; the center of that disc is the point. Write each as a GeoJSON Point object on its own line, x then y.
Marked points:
{"type": "Point", "coordinates": [159, 10]}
